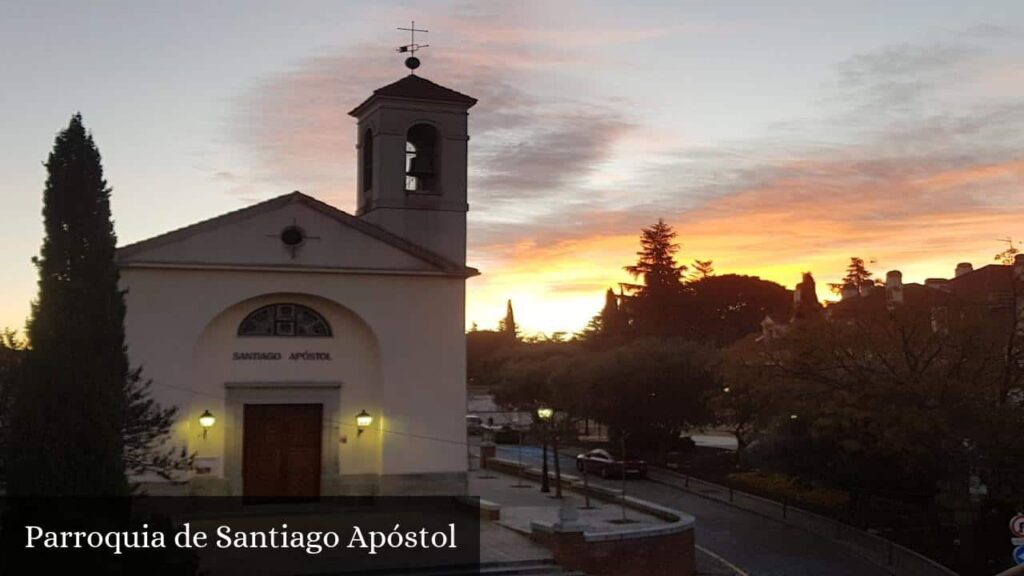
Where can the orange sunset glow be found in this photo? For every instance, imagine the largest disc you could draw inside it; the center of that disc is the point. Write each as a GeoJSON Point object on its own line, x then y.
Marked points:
{"type": "Point", "coordinates": [773, 145]}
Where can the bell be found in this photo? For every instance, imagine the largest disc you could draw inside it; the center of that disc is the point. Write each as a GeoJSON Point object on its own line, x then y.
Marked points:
{"type": "Point", "coordinates": [421, 167]}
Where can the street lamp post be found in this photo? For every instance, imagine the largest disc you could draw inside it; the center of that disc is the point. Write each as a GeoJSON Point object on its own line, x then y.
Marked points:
{"type": "Point", "coordinates": [622, 441]}
{"type": "Point", "coordinates": [555, 455]}
{"type": "Point", "coordinates": [544, 414]}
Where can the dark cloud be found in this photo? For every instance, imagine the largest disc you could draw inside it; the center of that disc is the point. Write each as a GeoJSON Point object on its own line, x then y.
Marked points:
{"type": "Point", "coordinates": [546, 154]}
{"type": "Point", "coordinates": [893, 145]}
{"type": "Point", "coordinates": [524, 146]}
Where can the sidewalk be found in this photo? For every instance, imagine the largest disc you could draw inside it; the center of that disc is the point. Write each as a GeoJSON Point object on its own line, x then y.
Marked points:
{"type": "Point", "coordinates": [522, 502]}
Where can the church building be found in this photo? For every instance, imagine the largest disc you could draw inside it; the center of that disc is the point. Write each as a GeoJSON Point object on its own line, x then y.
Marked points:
{"type": "Point", "coordinates": [314, 352]}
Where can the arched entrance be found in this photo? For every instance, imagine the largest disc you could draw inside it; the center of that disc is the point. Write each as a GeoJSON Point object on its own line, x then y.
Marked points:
{"type": "Point", "coordinates": [286, 374]}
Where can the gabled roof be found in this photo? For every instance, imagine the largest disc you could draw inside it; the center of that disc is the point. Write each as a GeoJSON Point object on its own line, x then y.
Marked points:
{"type": "Point", "coordinates": [414, 87]}
{"type": "Point", "coordinates": [126, 253]}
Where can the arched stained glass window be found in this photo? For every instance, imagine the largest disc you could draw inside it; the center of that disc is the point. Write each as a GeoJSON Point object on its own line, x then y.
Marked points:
{"type": "Point", "coordinates": [285, 320]}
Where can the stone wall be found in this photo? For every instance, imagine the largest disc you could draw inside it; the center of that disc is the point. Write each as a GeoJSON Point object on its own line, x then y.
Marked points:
{"type": "Point", "coordinates": [662, 555]}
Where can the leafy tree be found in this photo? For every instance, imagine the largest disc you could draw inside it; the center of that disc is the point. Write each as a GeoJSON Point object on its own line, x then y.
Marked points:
{"type": "Point", "coordinates": [487, 349]}
{"type": "Point", "coordinates": [748, 403]}
{"type": "Point", "coordinates": [12, 352]}
{"type": "Point", "coordinates": [728, 307]}
{"type": "Point", "coordinates": [527, 381]}
{"type": "Point", "coordinates": [896, 401]}
{"type": "Point", "coordinates": [147, 428]}
{"type": "Point", "coordinates": [483, 351]}
{"type": "Point", "coordinates": [1007, 256]}
{"type": "Point", "coordinates": [652, 390]}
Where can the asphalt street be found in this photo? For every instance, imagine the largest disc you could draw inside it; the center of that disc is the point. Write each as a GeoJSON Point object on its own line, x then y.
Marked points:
{"type": "Point", "coordinates": [757, 545]}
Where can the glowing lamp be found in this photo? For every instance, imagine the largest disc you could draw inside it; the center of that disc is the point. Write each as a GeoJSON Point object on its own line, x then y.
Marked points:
{"type": "Point", "coordinates": [206, 420]}
{"type": "Point", "coordinates": [363, 420]}
{"type": "Point", "coordinates": [545, 413]}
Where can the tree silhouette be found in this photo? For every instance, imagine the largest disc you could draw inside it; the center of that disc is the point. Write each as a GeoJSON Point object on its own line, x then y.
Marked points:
{"type": "Point", "coordinates": [703, 269]}
{"type": "Point", "coordinates": [1007, 256]}
{"type": "Point", "coordinates": [507, 326]}
{"type": "Point", "coordinates": [857, 275]}
{"type": "Point", "coordinates": [655, 305]}
{"type": "Point", "coordinates": [73, 446]}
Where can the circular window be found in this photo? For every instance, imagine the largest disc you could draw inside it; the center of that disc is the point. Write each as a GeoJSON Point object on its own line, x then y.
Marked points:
{"type": "Point", "coordinates": [293, 236]}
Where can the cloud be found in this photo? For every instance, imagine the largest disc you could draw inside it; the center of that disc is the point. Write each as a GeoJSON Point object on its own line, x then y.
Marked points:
{"type": "Point", "coordinates": [915, 174]}
{"type": "Point", "coordinates": [526, 145]}
{"type": "Point", "coordinates": [897, 76]}
{"type": "Point", "coordinates": [905, 160]}
{"type": "Point", "coordinates": [554, 150]}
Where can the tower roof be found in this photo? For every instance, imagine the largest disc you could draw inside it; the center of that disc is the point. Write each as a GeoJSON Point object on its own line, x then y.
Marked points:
{"type": "Point", "coordinates": [414, 87]}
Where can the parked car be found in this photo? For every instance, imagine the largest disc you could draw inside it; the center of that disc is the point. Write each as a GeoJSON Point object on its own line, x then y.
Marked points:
{"type": "Point", "coordinates": [474, 424]}
{"type": "Point", "coordinates": [502, 434]}
{"type": "Point", "coordinates": [599, 461]}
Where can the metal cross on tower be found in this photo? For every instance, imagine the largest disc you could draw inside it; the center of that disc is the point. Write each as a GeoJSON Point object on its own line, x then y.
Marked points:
{"type": "Point", "coordinates": [412, 62]}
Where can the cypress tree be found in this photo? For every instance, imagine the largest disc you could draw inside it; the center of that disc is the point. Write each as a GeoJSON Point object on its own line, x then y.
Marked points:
{"type": "Point", "coordinates": [69, 409]}
{"type": "Point", "coordinates": [508, 325]}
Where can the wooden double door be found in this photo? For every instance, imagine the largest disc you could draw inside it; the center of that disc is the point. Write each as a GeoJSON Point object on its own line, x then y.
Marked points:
{"type": "Point", "coordinates": [281, 450]}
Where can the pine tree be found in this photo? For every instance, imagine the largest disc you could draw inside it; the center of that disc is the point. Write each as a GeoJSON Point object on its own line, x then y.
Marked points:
{"type": "Point", "coordinates": [857, 275]}
{"type": "Point", "coordinates": [655, 305]}
{"type": "Point", "coordinates": [703, 269]}
{"type": "Point", "coordinates": [69, 408]}
{"type": "Point", "coordinates": [657, 263]}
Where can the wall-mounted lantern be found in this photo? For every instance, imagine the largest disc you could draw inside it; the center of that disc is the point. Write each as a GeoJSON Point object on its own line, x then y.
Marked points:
{"type": "Point", "coordinates": [206, 420]}
{"type": "Point", "coordinates": [363, 421]}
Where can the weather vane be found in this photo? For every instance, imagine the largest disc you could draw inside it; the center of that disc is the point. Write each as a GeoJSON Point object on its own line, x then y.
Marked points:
{"type": "Point", "coordinates": [412, 62]}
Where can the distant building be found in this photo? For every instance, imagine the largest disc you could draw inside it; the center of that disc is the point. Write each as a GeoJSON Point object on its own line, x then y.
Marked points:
{"type": "Point", "coordinates": [987, 292]}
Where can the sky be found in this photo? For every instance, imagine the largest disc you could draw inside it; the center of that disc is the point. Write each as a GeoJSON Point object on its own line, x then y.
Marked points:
{"type": "Point", "coordinates": [776, 137]}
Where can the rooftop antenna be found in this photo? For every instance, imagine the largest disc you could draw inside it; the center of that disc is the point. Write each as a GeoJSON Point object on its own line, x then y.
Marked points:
{"type": "Point", "coordinates": [412, 62]}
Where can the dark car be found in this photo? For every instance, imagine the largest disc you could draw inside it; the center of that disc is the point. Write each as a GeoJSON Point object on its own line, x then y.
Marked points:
{"type": "Point", "coordinates": [501, 434]}
{"type": "Point", "coordinates": [600, 462]}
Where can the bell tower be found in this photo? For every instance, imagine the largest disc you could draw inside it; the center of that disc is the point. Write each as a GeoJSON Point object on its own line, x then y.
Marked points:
{"type": "Point", "coordinates": [412, 144]}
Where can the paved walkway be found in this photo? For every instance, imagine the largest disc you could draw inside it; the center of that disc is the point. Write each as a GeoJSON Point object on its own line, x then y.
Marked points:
{"type": "Point", "coordinates": [501, 544]}
{"type": "Point", "coordinates": [755, 545]}
{"type": "Point", "coordinates": [522, 501]}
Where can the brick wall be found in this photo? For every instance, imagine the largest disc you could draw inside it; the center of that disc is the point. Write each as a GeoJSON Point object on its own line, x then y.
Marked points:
{"type": "Point", "coordinates": [663, 555]}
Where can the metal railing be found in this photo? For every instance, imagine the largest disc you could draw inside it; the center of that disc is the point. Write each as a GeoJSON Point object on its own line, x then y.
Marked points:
{"type": "Point", "coordinates": [897, 559]}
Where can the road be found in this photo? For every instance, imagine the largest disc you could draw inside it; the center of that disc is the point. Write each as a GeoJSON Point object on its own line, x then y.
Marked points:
{"type": "Point", "coordinates": [754, 544]}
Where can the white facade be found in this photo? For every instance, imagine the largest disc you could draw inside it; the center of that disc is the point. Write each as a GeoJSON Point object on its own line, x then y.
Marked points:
{"type": "Point", "coordinates": [396, 344]}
